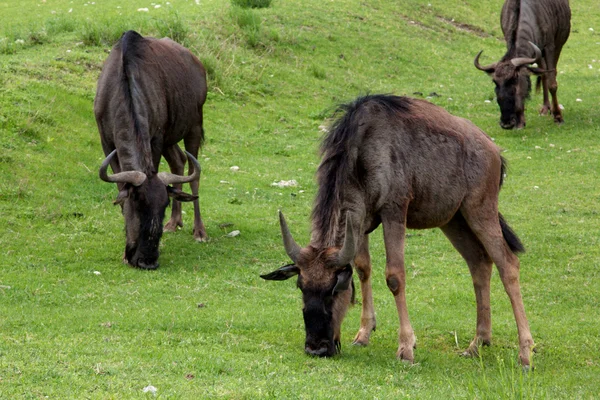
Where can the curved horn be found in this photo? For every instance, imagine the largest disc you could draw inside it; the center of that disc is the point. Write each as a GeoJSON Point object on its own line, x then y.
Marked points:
{"type": "Point", "coordinates": [520, 61]}
{"type": "Point", "coordinates": [136, 178]}
{"type": "Point", "coordinates": [488, 68]}
{"type": "Point", "coordinates": [168, 178]}
{"type": "Point", "coordinates": [291, 247]}
{"type": "Point", "coordinates": [348, 251]}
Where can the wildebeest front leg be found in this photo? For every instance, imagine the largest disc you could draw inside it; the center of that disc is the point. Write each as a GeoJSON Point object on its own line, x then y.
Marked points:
{"type": "Point", "coordinates": [362, 262]}
{"type": "Point", "coordinates": [176, 160]}
{"type": "Point", "coordinates": [556, 112]}
{"type": "Point", "coordinates": [480, 266]}
{"type": "Point", "coordinates": [544, 77]}
{"type": "Point", "coordinates": [394, 229]}
{"type": "Point", "coordinates": [192, 145]}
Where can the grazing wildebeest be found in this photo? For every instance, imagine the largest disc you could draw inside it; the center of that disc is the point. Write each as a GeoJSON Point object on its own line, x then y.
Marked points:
{"type": "Point", "coordinates": [535, 32]}
{"type": "Point", "coordinates": [150, 96]}
{"type": "Point", "coordinates": [403, 163]}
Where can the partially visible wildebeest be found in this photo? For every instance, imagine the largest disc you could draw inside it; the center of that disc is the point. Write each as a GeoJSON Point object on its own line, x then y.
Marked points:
{"type": "Point", "coordinates": [150, 96]}
{"type": "Point", "coordinates": [403, 163]}
{"type": "Point", "coordinates": [535, 32]}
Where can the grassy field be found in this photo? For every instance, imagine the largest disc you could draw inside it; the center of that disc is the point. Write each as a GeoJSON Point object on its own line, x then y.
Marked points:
{"type": "Point", "coordinates": [77, 323]}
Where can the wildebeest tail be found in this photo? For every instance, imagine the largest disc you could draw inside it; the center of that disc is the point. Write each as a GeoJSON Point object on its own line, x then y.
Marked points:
{"type": "Point", "coordinates": [511, 238]}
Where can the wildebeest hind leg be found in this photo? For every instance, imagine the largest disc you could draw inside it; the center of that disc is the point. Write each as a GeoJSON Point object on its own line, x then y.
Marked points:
{"type": "Point", "coordinates": [484, 221]}
{"type": "Point", "coordinates": [362, 262]}
{"type": "Point", "coordinates": [394, 229]}
{"type": "Point", "coordinates": [176, 160]}
{"type": "Point", "coordinates": [480, 266]}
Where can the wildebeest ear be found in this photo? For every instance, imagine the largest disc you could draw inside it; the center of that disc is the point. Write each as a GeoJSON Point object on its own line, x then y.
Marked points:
{"type": "Point", "coordinates": [538, 71]}
{"type": "Point", "coordinates": [123, 194]}
{"type": "Point", "coordinates": [282, 273]}
{"type": "Point", "coordinates": [344, 279]}
{"type": "Point", "coordinates": [180, 195]}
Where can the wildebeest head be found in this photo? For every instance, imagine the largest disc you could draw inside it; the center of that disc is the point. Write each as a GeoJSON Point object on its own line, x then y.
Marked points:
{"type": "Point", "coordinates": [325, 279]}
{"type": "Point", "coordinates": [144, 199]}
{"type": "Point", "coordinates": [513, 85]}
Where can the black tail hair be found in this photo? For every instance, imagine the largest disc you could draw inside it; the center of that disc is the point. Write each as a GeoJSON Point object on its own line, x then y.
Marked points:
{"type": "Point", "coordinates": [511, 238]}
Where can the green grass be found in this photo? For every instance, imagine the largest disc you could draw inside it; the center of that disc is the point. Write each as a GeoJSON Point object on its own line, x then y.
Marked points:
{"type": "Point", "coordinates": [204, 324]}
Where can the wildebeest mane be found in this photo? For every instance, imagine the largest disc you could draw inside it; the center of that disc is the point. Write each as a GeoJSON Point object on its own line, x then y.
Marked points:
{"type": "Point", "coordinates": [132, 54]}
{"type": "Point", "coordinates": [512, 27]}
{"type": "Point", "coordinates": [339, 159]}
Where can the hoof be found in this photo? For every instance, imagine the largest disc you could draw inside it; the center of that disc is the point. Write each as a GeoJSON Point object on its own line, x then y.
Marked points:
{"type": "Point", "coordinates": [406, 354]}
{"type": "Point", "coordinates": [172, 226]}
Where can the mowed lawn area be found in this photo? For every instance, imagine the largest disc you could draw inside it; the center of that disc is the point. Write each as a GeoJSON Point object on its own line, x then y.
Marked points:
{"type": "Point", "coordinates": [76, 323]}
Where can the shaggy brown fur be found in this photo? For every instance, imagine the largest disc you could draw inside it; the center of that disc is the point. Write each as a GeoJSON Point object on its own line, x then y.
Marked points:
{"type": "Point", "coordinates": [150, 97]}
{"type": "Point", "coordinates": [547, 25]}
{"type": "Point", "coordinates": [403, 163]}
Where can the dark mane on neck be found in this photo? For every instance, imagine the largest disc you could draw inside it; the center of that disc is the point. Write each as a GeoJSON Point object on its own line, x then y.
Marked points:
{"type": "Point", "coordinates": [339, 152]}
{"type": "Point", "coordinates": [132, 54]}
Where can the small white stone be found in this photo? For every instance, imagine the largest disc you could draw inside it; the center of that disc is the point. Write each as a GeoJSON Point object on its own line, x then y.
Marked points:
{"type": "Point", "coordinates": [578, 100]}
{"type": "Point", "coordinates": [157, 6]}
{"type": "Point", "coordinates": [561, 106]}
{"type": "Point", "coordinates": [233, 233]}
{"type": "Point", "coordinates": [145, 9]}
{"type": "Point", "coordinates": [536, 187]}
{"type": "Point", "coordinates": [487, 101]}
{"type": "Point", "coordinates": [282, 183]}
{"type": "Point", "coordinates": [234, 168]}
{"type": "Point", "coordinates": [551, 145]}
{"type": "Point", "coordinates": [150, 389]}
{"type": "Point", "coordinates": [97, 273]}
{"type": "Point", "coordinates": [591, 29]}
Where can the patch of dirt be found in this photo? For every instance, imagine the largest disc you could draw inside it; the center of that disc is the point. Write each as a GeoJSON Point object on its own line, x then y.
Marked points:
{"type": "Point", "coordinates": [475, 30]}
{"type": "Point", "coordinates": [415, 22]}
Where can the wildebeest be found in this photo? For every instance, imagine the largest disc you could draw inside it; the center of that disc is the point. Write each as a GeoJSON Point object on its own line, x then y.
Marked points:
{"type": "Point", "coordinates": [149, 97]}
{"type": "Point", "coordinates": [403, 163]}
{"type": "Point", "coordinates": [535, 32]}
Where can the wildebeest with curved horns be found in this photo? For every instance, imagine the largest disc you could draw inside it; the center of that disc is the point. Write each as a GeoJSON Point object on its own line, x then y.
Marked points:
{"type": "Point", "coordinates": [149, 97]}
{"type": "Point", "coordinates": [535, 32]}
{"type": "Point", "coordinates": [403, 163]}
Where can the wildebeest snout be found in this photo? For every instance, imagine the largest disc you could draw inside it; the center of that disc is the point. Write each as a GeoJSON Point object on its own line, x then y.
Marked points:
{"type": "Point", "coordinates": [322, 349]}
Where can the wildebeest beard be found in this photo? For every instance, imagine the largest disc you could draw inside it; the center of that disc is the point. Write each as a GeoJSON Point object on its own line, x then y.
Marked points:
{"type": "Point", "coordinates": [322, 310]}
{"type": "Point", "coordinates": [510, 91]}
{"type": "Point", "coordinates": [142, 246]}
